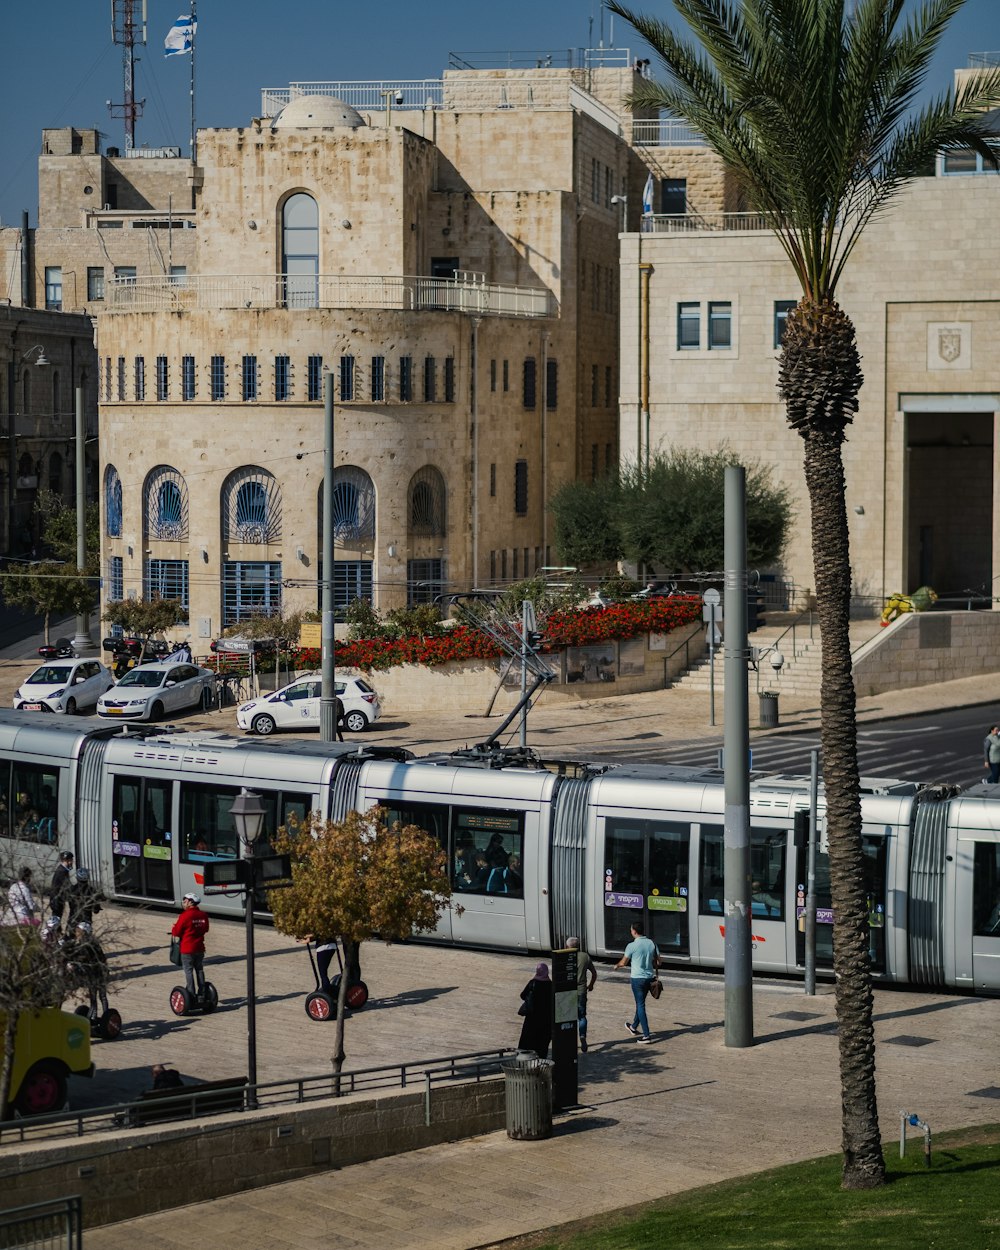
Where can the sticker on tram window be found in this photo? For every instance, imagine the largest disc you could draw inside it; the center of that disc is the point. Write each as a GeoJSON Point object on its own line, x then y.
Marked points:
{"type": "Point", "coordinates": [622, 900]}
{"type": "Point", "coordinates": [824, 915]}
{"type": "Point", "coordinates": [131, 849]}
{"type": "Point", "coordinates": [666, 902]}
{"type": "Point", "coordinates": [156, 852]}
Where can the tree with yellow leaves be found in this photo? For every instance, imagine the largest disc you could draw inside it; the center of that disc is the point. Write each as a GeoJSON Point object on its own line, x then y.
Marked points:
{"type": "Point", "coordinates": [359, 878]}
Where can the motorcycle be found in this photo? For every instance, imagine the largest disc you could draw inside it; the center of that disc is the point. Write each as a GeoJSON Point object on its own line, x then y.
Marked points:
{"type": "Point", "coordinates": [61, 649]}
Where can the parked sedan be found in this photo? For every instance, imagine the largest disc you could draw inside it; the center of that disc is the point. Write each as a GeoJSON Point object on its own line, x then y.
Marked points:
{"type": "Point", "coordinates": [64, 686]}
{"type": "Point", "coordinates": [149, 691]}
{"type": "Point", "coordinates": [296, 706]}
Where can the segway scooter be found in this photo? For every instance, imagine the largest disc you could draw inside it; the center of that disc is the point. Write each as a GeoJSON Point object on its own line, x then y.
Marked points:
{"type": "Point", "coordinates": [184, 1003]}
{"type": "Point", "coordinates": [322, 1004]}
{"type": "Point", "coordinates": [107, 1026]}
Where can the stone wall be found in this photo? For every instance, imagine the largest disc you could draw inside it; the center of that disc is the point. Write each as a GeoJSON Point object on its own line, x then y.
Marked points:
{"type": "Point", "coordinates": [187, 1162]}
{"type": "Point", "coordinates": [922, 648]}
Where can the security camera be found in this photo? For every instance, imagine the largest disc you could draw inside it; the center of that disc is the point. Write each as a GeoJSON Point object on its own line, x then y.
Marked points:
{"type": "Point", "coordinates": [777, 661]}
{"type": "Point", "coordinates": [399, 97]}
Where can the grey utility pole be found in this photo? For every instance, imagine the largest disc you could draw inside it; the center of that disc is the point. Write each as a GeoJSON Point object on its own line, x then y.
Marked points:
{"type": "Point", "coordinates": [83, 644]}
{"type": "Point", "coordinates": [736, 839]}
{"type": "Point", "coordinates": [810, 926]}
{"type": "Point", "coordinates": [328, 693]}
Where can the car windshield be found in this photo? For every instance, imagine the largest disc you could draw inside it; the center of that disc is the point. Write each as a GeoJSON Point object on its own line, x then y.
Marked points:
{"type": "Point", "coordinates": [147, 678]}
{"type": "Point", "coordinates": [50, 675]}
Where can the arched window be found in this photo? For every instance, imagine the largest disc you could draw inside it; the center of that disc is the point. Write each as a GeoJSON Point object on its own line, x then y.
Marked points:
{"type": "Point", "coordinates": [166, 505]}
{"type": "Point", "coordinates": [251, 506]}
{"type": "Point", "coordinates": [112, 502]}
{"type": "Point", "coordinates": [55, 392]}
{"type": "Point", "coordinates": [300, 251]}
{"type": "Point", "coordinates": [426, 502]}
{"type": "Point", "coordinates": [55, 473]}
{"type": "Point", "coordinates": [353, 506]}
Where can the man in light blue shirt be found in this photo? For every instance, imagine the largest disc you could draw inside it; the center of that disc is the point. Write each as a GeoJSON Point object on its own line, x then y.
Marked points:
{"type": "Point", "coordinates": [644, 958]}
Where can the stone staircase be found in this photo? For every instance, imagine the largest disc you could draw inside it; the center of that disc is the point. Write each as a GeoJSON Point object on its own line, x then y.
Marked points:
{"type": "Point", "coordinates": [799, 676]}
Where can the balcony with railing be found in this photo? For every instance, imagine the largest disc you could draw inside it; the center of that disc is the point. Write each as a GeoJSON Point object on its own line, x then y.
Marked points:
{"type": "Point", "coordinates": [700, 223]}
{"type": "Point", "coordinates": [665, 132]}
{"type": "Point", "coordinates": [467, 293]}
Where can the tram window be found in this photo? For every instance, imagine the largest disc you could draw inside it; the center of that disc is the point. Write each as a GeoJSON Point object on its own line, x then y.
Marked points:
{"type": "Point", "coordinates": [431, 818]}
{"type": "Point", "coordinates": [33, 811]}
{"type": "Point", "coordinates": [623, 881]}
{"type": "Point", "coordinates": [489, 852]}
{"type": "Point", "coordinates": [207, 827]}
{"type": "Point", "coordinates": [767, 872]}
{"type": "Point", "coordinates": [294, 809]}
{"type": "Point", "coordinates": [711, 884]}
{"type": "Point", "coordinates": [986, 890]}
{"type": "Point", "coordinates": [874, 852]}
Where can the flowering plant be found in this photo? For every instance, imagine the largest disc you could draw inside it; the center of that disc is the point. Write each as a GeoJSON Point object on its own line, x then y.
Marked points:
{"type": "Point", "coordinates": [565, 628]}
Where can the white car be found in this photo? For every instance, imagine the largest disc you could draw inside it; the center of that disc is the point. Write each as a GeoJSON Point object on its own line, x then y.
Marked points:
{"type": "Point", "coordinates": [296, 706]}
{"type": "Point", "coordinates": [149, 691]}
{"type": "Point", "coordinates": [64, 686]}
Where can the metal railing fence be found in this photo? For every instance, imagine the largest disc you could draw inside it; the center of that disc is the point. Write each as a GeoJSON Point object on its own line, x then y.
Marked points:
{"type": "Point", "coordinates": [55, 1225]}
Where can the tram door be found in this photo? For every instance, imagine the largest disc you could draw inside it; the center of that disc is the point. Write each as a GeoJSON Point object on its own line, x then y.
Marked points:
{"type": "Point", "coordinates": [142, 837]}
{"type": "Point", "coordinates": [769, 896]}
{"type": "Point", "coordinates": [985, 910]}
{"type": "Point", "coordinates": [874, 868]}
{"type": "Point", "coordinates": [646, 878]}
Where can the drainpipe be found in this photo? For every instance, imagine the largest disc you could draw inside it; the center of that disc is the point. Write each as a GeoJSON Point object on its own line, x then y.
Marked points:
{"type": "Point", "coordinates": [26, 300]}
{"type": "Point", "coordinates": [544, 383]}
{"type": "Point", "coordinates": [474, 398]}
{"type": "Point", "coordinates": [645, 270]}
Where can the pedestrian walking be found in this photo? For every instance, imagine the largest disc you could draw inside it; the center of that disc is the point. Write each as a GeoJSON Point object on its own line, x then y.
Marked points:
{"type": "Point", "coordinates": [84, 900]}
{"type": "Point", "coordinates": [191, 926]}
{"type": "Point", "coordinates": [536, 1008]}
{"type": "Point", "coordinates": [21, 899]}
{"type": "Point", "coordinates": [61, 887]}
{"type": "Point", "coordinates": [586, 975]}
{"type": "Point", "coordinates": [644, 958]}
{"type": "Point", "coordinates": [338, 717]}
{"type": "Point", "coordinates": [991, 754]}
{"type": "Point", "coordinates": [88, 964]}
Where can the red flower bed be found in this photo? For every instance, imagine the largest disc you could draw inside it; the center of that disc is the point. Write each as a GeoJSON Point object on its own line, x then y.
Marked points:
{"type": "Point", "coordinates": [562, 629]}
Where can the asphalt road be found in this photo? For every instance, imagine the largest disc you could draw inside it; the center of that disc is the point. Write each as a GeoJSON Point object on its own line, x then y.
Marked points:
{"type": "Point", "coordinates": [942, 746]}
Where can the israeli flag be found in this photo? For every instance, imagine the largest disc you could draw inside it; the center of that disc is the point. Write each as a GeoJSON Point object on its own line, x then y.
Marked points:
{"type": "Point", "coordinates": [647, 197]}
{"type": "Point", "coordinates": [180, 37]}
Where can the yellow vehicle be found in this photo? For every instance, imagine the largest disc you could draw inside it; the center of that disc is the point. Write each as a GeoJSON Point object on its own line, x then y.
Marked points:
{"type": "Point", "coordinates": [49, 1047]}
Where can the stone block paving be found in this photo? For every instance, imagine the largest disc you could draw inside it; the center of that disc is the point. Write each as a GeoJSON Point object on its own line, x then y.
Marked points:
{"type": "Point", "coordinates": [686, 1111]}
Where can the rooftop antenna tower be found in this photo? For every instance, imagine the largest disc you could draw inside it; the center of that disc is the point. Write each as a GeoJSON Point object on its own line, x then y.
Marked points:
{"type": "Point", "coordinates": [128, 27]}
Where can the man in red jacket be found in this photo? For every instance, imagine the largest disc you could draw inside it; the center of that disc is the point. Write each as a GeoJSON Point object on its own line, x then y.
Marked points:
{"type": "Point", "coordinates": [191, 926]}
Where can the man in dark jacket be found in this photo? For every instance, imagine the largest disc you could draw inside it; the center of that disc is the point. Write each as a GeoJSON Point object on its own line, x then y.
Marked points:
{"type": "Point", "coordinates": [62, 886]}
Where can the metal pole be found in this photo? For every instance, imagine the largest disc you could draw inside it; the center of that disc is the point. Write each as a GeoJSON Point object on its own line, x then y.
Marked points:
{"type": "Point", "coordinates": [736, 853]}
{"type": "Point", "coordinates": [711, 663]}
{"type": "Point", "coordinates": [811, 873]}
{"type": "Point", "coordinates": [82, 642]}
{"type": "Point", "coordinates": [251, 982]}
{"type": "Point", "coordinates": [11, 454]}
{"type": "Point", "coordinates": [328, 693]}
{"type": "Point", "coordinates": [525, 609]}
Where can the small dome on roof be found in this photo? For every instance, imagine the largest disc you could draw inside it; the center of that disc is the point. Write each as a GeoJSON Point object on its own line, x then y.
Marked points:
{"type": "Point", "coordinates": [317, 112]}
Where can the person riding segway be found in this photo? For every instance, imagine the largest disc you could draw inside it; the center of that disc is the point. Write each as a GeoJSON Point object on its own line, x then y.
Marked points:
{"type": "Point", "coordinates": [190, 928]}
{"type": "Point", "coordinates": [321, 1004]}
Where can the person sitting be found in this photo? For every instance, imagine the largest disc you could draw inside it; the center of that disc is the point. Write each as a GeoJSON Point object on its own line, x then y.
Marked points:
{"type": "Point", "coordinates": [165, 1078]}
{"type": "Point", "coordinates": [496, 855]}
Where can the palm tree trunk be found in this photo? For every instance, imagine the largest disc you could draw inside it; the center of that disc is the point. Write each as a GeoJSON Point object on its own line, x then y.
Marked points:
{"type": "Point", "coordinates": [864, 1166]}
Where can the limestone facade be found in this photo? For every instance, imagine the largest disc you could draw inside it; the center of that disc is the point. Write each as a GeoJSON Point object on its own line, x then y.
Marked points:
{"type": "Point", "coordinates": [920, 458]}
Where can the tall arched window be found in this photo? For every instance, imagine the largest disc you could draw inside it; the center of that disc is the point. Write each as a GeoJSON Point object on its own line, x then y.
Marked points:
{"type": "Point", "coordinates": [251, 506]}
{"type": "Point", "coordinates": [300, 251]}
{"type": "Point", "coordinates": [353, 505]}
{"type": "Point", "coordinates": [426, 502]}
{"type": "Point", "coordinates": [112, 502]}
{"type": "Point", "coordinates": [166, 505]}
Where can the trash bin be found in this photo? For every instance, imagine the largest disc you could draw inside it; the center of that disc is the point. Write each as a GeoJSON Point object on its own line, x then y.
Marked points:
{"type": "Point", "coordinates": [768, 711]}
{"type": "Point", "coordinates": [528, 1087]}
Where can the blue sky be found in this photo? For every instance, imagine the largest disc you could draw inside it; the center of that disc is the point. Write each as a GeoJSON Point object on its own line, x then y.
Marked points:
{"type": "Point", "coordinates": [60, 67]}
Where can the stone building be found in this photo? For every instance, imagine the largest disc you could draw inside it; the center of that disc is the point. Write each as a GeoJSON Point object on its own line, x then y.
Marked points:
{"type": "Point", "coordinates": [704, 298]}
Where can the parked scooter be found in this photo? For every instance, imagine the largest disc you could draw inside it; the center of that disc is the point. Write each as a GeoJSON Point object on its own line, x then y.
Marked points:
{"type": "Point", "coordinates": [61, 649]}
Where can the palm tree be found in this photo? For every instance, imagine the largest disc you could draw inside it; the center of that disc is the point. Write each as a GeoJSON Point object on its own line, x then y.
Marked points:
{"type": "Point", "coordinates": [811, 104]}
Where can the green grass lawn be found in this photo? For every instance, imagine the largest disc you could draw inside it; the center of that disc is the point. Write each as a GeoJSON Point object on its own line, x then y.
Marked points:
{"type": "Point", "coordinates": [952, 1205]}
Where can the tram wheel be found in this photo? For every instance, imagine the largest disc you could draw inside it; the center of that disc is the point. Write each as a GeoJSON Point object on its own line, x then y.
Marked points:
{"type": "Point", "coordinates": [320, 1006]}
{"type": "Point", "coordinates": [180, 1001]}
{"type": "Point", "coordinates": [110, 1025]}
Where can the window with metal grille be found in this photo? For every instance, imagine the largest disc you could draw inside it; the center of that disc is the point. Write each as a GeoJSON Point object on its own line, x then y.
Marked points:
{"type": "Point", "coordinates": [140, 377]}
{"type": "Point", "coordinates": [314, 377]}
{"type": "Point", "coordinates": [352, 579]}
{"type": "Point", "coordinates": [162, 378]}
{"type": "Point", "coordinates": [424, 581]}
{"type": "Point", "coordinates": [166, 504]}
{"type": "Point", "coordinates": [688, 327]}
{"type": "Point", "coordinates": [514, 571]}
{"type": "Point", "coordinates": [506, 375]}
{"type": "Point", "coordinates": [608, 376]}
{"type": "Point", "coordinates": [493, 566]}
{"type": "Point", "coordinates": [720, 325]}
{"type": "Point", "coordinates": [218, 377]}
{"type": "Point", "coordinates": [166, 579]}
{"type": "Point", "coordinates": [551, 384]}
{"type": "Point", "coordinates": [112, 502]}
{"type": "Point", "coordinates": [493, 480]}
{"type": "Point", "coordinates": [378, 379]}
{"type": "Point", "coordinates": [249, 588]}
{"type": "Point", "coordinates": [782, 307]}
{"type": "Point", "coordinates": [121, 377]}
{"type": "Point", "coordinates": [107, 381]}
{"type": "Point", "coordinates": [430, 378]}
{"type": "Point", "coordinates": [426, 502]}
{"type": "Point", "coordinates": [521, 487]}
{"type": "Point", "coordinates": [353, 505]}
{"type": "Point", "coordinates": [529, 382]}
{"type": "Point", "coordinates": [251, 504]}
{"type": "Point", "coordinates": [116, 578]}
{"type": "Point", "coordinates": [187, 377]}
{"type": "Point", "coordinates": [282, 377]}
{"type": "Point", "coordinates": [346, 378]}
{"type": "Point", "coordinates": [449, 379]}
{"type": "Point", "coordinates": [249, 377]}
{"type": "Point", "coordinates": [95, 282]}
{"type": "Point", "coordinates": [594, 377]}
{"type": "Point", "coordinates": [493, 375]}
{"type": "Point", "coordinates": [405, 379]}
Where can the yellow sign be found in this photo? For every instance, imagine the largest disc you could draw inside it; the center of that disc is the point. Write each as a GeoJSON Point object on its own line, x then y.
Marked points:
{"type": "Point", "coordinates": [310, 634]}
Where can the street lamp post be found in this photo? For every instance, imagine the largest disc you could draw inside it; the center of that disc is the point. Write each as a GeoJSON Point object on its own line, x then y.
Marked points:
{"type": "Point", "coordinates": [83, 643]}
{"type": "Point", "coordinates": [41, 361]}
{"type": "Point", "coordinates": [248, 818]}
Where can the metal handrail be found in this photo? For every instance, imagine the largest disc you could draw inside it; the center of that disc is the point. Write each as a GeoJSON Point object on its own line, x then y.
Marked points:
{"type": "Point", "coordinates": [473, 1066]}
{"type": "Point", "coordinates": [791, 629]}
{"type": "Point", "coordinates": [685, 643]}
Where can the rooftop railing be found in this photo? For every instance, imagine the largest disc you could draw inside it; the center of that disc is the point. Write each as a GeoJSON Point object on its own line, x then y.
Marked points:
{"type": "Point", "coordinates": [665, 132]}
{"type": "Point", "coordinates": [984, 60]}
{"type": "Point", "coordinates": [697, 223]}
{"type": "Point", "coordinates": [466, 293]}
